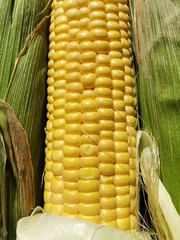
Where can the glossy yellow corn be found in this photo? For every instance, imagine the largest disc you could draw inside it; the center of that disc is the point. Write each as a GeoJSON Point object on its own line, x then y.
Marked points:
{"type": "Point", "coordinates": [91, 137]}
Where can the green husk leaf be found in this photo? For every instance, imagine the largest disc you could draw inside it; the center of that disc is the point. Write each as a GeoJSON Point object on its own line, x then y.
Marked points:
{"type": "Point", "coordinates": [41, 225]}
{"type": "Point", "coordinates": [156, 31]}
{"type": "Point", "coordinates": [25, 87]}
{"type": "Point", "coordinates": [16, 175]}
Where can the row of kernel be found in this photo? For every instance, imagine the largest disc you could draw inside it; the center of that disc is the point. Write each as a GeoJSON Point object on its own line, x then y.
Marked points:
{"type": "Point", "coordinates": [121, 179]}
{"type": "Point", "coordinates": [59, 92]}
{"type": "Point", "coordinates": [89, 207]}
{"type": "Point", "coordinates": [49, 126]}
{"type": "Point", "coordinates": [130, 103]}
{"type": "Point", "coordinates": [72, 139]}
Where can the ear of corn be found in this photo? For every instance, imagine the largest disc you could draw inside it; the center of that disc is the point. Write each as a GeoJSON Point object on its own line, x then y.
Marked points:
{"type": "Point", "coordinates": [157, 50]}
{"type": "Point", "coordinates": [90, 140]}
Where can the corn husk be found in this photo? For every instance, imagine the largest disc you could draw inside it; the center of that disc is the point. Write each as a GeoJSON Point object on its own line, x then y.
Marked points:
{"type": "Point", "coordinates": [23, 65]}
{"type": "Point", "coordinates": [156, 31]}
{"type": "Point", "coordinates": [164, 216]}
{"type": "Point", "coordinates": [50, 227]}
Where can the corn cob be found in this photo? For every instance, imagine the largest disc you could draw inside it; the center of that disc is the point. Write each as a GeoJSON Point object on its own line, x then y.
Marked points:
{"type": "Point", "coordinates": [90, 140]}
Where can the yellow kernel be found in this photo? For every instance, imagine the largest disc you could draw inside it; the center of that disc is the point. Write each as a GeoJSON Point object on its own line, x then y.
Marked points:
{"type": "Point", "coordinates": [73, 33]}
{"type": "Point", "coordinates": [50, 56]}
{"type": "Point", "coordinates": [62, 45]}
{"type": "Point", "coordinates": [88, 94]}
{"type": "Point", "coordinates": [125, 43]}
{"type": "Point", "coordinates": [88, 80]}
{"type": "Point", "coordinates": [120, 147]}
{"type": "Point", "coordinates": [59, 103]}
{"type": "Point", "coordinates": [88, 67]}
{"type": "Point", "coordinates": [106, 125]}
{"type": "Point", "coordinates": [61, 19]}
{"type": "Point", "coordinates": [73, 128]}
{"type": "Point", "coordinates": [121, 169]}
{"type": "Point", "coordinates": [99, 34]}
{"type": "Point", "coordinates": [71, 151]}
{"type": "Point", "coordinates": [70, 185]}
{"type": "Point", "coordinates": [107, 157]}
{"type": "Point", "coordinates": [73, 77]}
{"type": "Point", "coordinates": [50, 108]}
{"type": "Point", "coordinates": [73, 117]}
{"type": "Point", "coordinates": [88, 185]}
{"type": "Point", "coordinates": [120, 136]}
{"type": "Point", "coordinates": [70, 196]}
{"type": "Point", "coordinates": [131, 121]}
{"type": "Point", "coordinates": [108, 214]}
{"type": "Point", "coordinates": [123, 212]}
{"type": "Point", "coordinates": [47, 196]}
{"type": "Point", "coordinates": [104, 102]}
{"type": "Point", "coordinates": [83, 36]}
{"type": "Point", "coordinates": [58, 123]}
{"type": "Point", "coordinates": [90, 117]}
{"type": "Point", "coordinates": [106, 169]}
{"type": "Point", "coordinates": [58, 134]}
{"type": "Point", "coordinates": [57, 168]}
{"type": "Point", "coordinates": [106, 145]}
{"type": "Point", "coordinates": [91, 128]}
{"type": "Point", "coordinates": [112, 8]}
{"type": "Point", "coordinates": [89, 173]}
{"type": "Point", "coordinates": [50, 89]}
{"type": "Point", "coordinates": [57, 155]}
{"type": "Point", "coordinates": [71, 163]}
{"type": "Point", "coordinates": [73, 57]}
{"type": "Point", "coordinates": [84, 22]}
{"type": "Point", "coordinates": [115, 46]}
{"type": "Point", "coordinates": [89, 209]}
{"type": "Point", "coordinates": [106, 134]}
{"type": "Point", "coordinates": [91, 197]}
{"type": "Point", "coordinates": [108, 203]}
{"type": "Point", "coordinates": [87, 150]}
{"type": "Point", "coordinates": [90, 139]}
{"type": "Point", "coordinates": [122, 157]}
{"type": "Point", "coordinates": [49, 136]}
{"type": "Point", "coordinates": [96, 6]}
{"type": "Point", "coordinates": [83, 11]}
{"type": "Point", "coordinates": [57, 186]}
{"type": "Point", "coordinates": [107, 179]}
{"type": "Point", "coordinates": [123, 190]}
{"type": "Point", "coordinates": [123, 201]}
{"type": "Point", "coordinates": [88, 56]}
{"type": "Point", "coordinates": [70, 208]}
{"type": "Point", "coordinates": [129, 100]}
{"type": "Point", "coordinates": [103, 91]}
{"type": "Point", "coordinates": [107, 190]}
{"type": "Point", "coordinates": [103, 71]}
{"type": "Point", "coordinates": [103, 82]}
{"type": "Point", "coordinates": [72, 107]}
{"type": "Point", "coordinates": [50, 81]}
{"type": "Point", "coordinates": [97, 24]}
{"type": "Point", "coordinates": [96, 15]}
{"type": "Point", "coordinates": [101, 46]}
{"type": "Point", "coordinates": [86, 46]}
{"type": "Point", "coordinates": [72, 140]}
{"type": "Point", "coordinates": [60, 29]}
{"type": "Point", "coordinates": [56, 209]}
{"type": "Point", "coordinates": [73, 97]}
{"type": "Point", "coordinates": [121, 180]}
{"type": "Point", "coordinates": [106, 113]}
{"type": "Point", "coordinates": [123, 26]}
{"type": "Point", "coordinates": [69, 4]}
{"type": "Point", "coordinates": [72, 67]}
{"type": "Point", "coordinates": [114, 35]}
{"type": "Point", "coordinates": [123, 223]}
{"type": "Point", "coordinates": [95, 219]}
{"type": "Point", "coordinates": [70, 175]}
{"type": "Point", "coordinates": [131, 131]}
{"type": "Point", "coordinates": [48, 165]}
{"type": "Point", "coordinates": [89, 162]}
{"type": "Point", "coordinates": [73, 46]}
{"type": "Point", "coordinates": [56, 198]}
{"type": "Point", "coordinates": [72, 14]}
{"type": "Point", "coordinates": [132, 141]}
{"type": "Point", "coordinates": [116, 64]}
{"type": "Point", "coordinates": [113, 26]}
{"type": "Point", "coordinates": [88, 105]}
